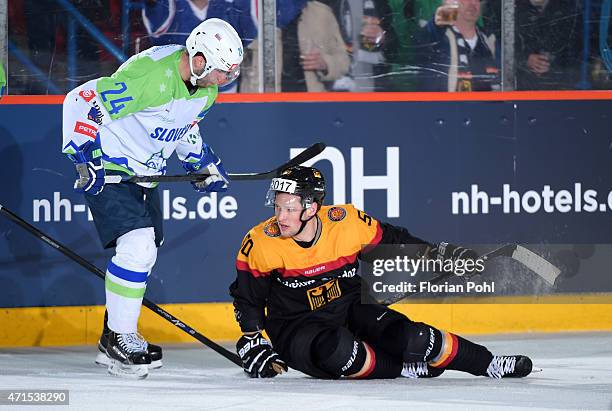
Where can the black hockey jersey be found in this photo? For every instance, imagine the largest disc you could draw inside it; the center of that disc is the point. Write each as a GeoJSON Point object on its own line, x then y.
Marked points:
{"type": "Point", "coordinates": [291, 281]}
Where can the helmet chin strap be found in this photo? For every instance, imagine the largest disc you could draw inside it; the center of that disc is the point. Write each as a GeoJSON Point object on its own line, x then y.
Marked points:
{"type": "Point", "coordinates": [193, 79]}
{"type": "Point", "coordinates": [304, 222]}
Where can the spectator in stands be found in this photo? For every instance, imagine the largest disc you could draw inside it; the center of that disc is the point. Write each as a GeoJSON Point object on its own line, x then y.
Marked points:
{"type": "Point", "coordinates": [314, 50]}
{"type": "Point", "coordinates": [377, 42]}
{"type": "Point", "coordinates": [395, 30]}
{"type": "Point", "coordinates": [286, 12]}
{"type": "Point", "coordinates": [454, 53]}
{"type": "Point", "coordinates": [171, 21]}
{"type": "Point", "coordinates": [344, 16]}
{"type": "Point", "coordinates": [548, 44]}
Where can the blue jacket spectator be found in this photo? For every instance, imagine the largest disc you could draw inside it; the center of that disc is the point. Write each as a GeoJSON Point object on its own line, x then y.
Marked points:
{"type": "Point", "coordinates": [171, 21]}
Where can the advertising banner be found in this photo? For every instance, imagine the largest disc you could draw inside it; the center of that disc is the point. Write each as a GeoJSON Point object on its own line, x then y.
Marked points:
{"type": "Point", "coordinates": [496, 172]}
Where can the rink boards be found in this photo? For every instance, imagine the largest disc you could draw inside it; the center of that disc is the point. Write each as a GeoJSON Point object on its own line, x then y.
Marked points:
{"type": "Point", "coordinates": [53, 326]}
{"type": "Point", "coordinates": [470, 169]}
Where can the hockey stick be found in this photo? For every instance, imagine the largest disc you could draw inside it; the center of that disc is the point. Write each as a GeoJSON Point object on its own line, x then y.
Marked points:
{"type": "Point", "coordinates": [539, 265]}
{"type": "Point", "coordinates": [92, 268]}
{"type": "Point", "coordinates": [305, 155]}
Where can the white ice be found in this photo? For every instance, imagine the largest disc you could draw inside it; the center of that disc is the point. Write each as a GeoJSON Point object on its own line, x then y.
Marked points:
{"type": "Point", "coordinates": [577, 374]}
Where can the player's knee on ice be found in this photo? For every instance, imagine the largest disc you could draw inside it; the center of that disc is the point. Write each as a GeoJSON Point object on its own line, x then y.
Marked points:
{"type": "Point", "coordinates": [420, 342]}
{"type": "Point", "coordinates": [337, 352]}
{"type": "Point", "coordinates": [136, 250]}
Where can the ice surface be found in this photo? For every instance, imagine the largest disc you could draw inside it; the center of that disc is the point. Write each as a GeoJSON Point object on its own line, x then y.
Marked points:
{"type": "Point", "coordinates": [577, 374]}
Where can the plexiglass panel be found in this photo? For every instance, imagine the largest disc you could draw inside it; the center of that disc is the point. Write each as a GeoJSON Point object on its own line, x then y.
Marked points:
{"type": "Point", "coordinates": [328, 45]}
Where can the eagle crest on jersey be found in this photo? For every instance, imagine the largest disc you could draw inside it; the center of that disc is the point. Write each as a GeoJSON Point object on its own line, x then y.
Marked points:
{"type": "Point", "coordinates": [336, 213]}
{"type": "Point", "coordinates": [271, 229]}
{"type": "Point", "coordinates": [323, 294]}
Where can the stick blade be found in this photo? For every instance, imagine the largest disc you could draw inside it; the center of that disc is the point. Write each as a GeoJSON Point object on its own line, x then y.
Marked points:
{"type": "Point", "coordinates": [537, 264]}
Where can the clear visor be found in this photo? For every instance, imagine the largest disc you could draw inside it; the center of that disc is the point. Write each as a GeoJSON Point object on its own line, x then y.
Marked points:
{"type": "Point", "coordinates": [232, 74]}
{"type": "Point", "coordinates": [291, 202]}
{"type": "Point", "coordinates": [276, 185]}
{"type": "Point", "coordinates": [270, 197]}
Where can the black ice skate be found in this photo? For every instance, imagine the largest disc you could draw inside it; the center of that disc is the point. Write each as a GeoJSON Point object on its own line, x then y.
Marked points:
{"type": "Point", "coordinates": [420, 370]}
{"type": "Point", "coordinates": [128, 355]}
{"type": "Point", "coordinates": [154, 351]}
{"type": "Point", "coordinates": [509, 366]}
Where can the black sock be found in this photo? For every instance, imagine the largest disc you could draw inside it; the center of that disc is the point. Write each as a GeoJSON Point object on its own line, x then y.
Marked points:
{"type": "Point", "coordinates": [457, 353]}
{"type": "Point", "coordinates": [382, 365]}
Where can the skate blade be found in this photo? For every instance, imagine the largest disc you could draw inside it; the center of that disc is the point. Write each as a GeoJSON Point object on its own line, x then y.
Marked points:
{"type": "Point", "coordinates": [155, 365]}
{"type": "Point", "coordinates": [137, 372]}
{"type": "Point", "coordinates": [103, 360]}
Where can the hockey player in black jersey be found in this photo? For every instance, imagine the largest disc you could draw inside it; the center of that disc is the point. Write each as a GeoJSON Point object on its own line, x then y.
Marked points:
{"type": "Point", "coordinates": [297, 280]}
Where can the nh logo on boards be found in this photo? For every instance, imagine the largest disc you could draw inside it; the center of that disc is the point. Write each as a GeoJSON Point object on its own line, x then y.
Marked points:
{"type": "Point", "coordinates": [389, 182]}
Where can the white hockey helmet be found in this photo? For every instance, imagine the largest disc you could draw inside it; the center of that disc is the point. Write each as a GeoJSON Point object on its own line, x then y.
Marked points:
{"type": "Point", "coordinates": [221, 46]}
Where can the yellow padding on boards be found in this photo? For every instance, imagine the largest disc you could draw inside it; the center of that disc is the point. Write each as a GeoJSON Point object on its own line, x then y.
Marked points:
{"type": "Point", "coordinates": [54, 326]}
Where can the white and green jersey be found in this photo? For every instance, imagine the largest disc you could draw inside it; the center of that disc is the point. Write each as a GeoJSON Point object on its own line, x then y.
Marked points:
{"type": "Point", "coordinates": [142, 114]}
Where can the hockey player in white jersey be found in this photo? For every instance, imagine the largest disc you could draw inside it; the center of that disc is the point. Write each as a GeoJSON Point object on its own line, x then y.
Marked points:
{"type": "Point", "coordinates": [131, 123]}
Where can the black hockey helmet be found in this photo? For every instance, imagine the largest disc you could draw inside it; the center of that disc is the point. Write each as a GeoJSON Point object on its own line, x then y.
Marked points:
{"type": "Point", "coordinates": [306, 182]}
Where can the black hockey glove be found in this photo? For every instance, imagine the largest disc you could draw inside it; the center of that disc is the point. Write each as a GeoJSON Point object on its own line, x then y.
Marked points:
{"type": "Point", "coordinates": [463, 259]}
{"type": "Point", "coordinates": [258, 358]}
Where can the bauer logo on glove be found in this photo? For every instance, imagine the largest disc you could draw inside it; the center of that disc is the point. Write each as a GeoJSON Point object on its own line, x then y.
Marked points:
{"type": "Point", "coordinates": [259, 360]}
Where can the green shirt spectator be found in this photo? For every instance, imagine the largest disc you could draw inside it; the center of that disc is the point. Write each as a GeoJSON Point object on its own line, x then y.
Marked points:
{"type": "Point", "coordinates": [407, 17]}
